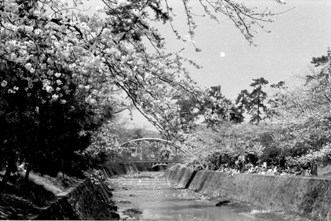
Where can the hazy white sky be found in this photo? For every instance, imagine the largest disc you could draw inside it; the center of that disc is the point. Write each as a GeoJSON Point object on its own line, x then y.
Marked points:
{"type": "Point", "coordinates": [228, 59]}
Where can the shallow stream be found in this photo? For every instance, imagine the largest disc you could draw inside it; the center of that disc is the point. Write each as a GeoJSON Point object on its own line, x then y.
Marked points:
{"type": "Point", "coordinates": [148, 196]}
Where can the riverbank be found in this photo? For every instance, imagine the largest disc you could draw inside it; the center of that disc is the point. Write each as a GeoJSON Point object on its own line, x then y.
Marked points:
{"type": "Point", "coordinates": [297, 198]}
{"type": "Point", "coordinates": [310, 197]}
{"type": "Point", "coordinates": [63, 197]}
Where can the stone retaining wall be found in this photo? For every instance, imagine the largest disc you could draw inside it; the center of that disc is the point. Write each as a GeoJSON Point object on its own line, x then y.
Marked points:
{"type": "Point", "coordinates": [88, 200]}
{"type": "Point", "coordinates": [308, 196]}
{"type": "Point", "coordinates": [85, 201]}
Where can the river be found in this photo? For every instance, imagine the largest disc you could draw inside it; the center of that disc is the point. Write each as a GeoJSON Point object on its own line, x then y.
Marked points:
{"type": "Point", "coordinates": [148, 196]}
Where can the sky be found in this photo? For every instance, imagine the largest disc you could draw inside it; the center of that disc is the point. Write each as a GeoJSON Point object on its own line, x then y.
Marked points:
{"type": "Point", "coordinates": [229, 60]}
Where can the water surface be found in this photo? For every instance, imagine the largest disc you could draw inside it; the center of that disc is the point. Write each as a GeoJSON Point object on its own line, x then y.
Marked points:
{"type": "Point", "coordinates": [157, 200]}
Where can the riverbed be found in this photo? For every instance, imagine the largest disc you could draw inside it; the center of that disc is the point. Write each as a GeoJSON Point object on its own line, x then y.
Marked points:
{"type": "Point", "coordinates": [148, 196]}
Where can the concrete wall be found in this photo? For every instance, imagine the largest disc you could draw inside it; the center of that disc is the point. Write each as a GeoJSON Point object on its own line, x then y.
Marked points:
{"type": "Point", "coordinates": [89, 200]}
{"type": "Point", "coordinates": [308, 196]}
{"type": "Point", "coordinates": [179, 176]}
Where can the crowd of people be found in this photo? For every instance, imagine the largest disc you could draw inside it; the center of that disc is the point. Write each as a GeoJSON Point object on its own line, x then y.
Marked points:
{"type": "Point", "coordinates": [269, 170]}
{"type": "Point", "coordinates": [242, 165]}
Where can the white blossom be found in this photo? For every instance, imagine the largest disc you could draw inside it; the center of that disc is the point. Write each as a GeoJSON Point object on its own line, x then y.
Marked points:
{"type": "Point", "coordinates": [49, 89]}
{"type": "Point", "coordinates": [4, 83]}
{"type": "Point", "coordinates": [28, 66]}
{"type": "Point", "coordinates": [55, 97]}
{"type": "Point", "coordinates": [59, 82]}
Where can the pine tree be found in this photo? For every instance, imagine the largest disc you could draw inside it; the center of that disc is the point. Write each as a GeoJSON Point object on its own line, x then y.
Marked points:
{"type": "Point", "coordinates": [254, 102]}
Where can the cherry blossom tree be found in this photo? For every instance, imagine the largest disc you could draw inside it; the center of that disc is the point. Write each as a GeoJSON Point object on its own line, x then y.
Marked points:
{"type": "Point", "coordinates": [60, 54]}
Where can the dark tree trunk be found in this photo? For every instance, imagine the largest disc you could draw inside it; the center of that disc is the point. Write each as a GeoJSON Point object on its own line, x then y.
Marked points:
{"type": "Point", "coordinates": [28, 170]}
{"type": "Point", "coordinates": [258, 109]}
{"type": "Point", "coordinates": [314, 169]}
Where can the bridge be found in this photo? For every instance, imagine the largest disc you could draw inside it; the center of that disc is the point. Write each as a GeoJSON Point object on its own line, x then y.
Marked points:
{"type": "Point", "coordinates": [152, 151]}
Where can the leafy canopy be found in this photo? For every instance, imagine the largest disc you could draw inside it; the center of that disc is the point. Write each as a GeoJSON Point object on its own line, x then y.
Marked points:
{"type": "Point", "coordinates": [60, 63]}
{"type": "Point", "coordinates": [106, 54]}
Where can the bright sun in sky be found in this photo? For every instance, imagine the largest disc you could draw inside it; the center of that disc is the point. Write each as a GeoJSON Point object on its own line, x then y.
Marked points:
{"type": "Point", "coordinates": [222, 54]}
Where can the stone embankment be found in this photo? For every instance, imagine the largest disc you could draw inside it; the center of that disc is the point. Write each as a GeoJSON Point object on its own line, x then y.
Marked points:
{"type": "Point", "coordinates": [85, 201]}
{"type": "Point", "coordinates": [89, 200]}
{"type": "Point", "coordinates": [307, 196]}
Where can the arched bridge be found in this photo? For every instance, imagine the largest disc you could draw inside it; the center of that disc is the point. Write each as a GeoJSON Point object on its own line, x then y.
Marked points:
{"type": "Point", "coordinates": [154, 151]}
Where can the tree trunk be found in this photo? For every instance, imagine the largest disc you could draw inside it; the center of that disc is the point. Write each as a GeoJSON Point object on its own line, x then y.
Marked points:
{"type": "Point", "coordinates": [28, 170]}
{"type": "Point", "coordinates": [258, 108]}
{"type": "Point", "coordinates": [314, 169]}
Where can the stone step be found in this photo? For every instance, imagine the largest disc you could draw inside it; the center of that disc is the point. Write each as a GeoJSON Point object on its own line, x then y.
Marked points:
{"type": "Point", "coordinates": [144, 182]}
{"type": "Point", "coordinates": [134, 180]}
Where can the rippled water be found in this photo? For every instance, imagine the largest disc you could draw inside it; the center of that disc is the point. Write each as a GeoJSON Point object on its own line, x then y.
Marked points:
{"type": "Point", "coordinates": [165, 204]}
{"type": "Point", "coordinates": [158, 201]}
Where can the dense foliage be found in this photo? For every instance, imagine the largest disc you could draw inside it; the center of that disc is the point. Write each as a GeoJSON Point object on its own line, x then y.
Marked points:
{"type": "Point", "coordinates": [65, 71]}
{"type": "Point", "coordinates": [298, 127]}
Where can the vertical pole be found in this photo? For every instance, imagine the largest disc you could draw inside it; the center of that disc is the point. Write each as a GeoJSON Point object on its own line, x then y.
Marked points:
{"type": "Point", "coordinates": [176, 155]}
{"type": "Point", "coordinates": [157, 150]}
